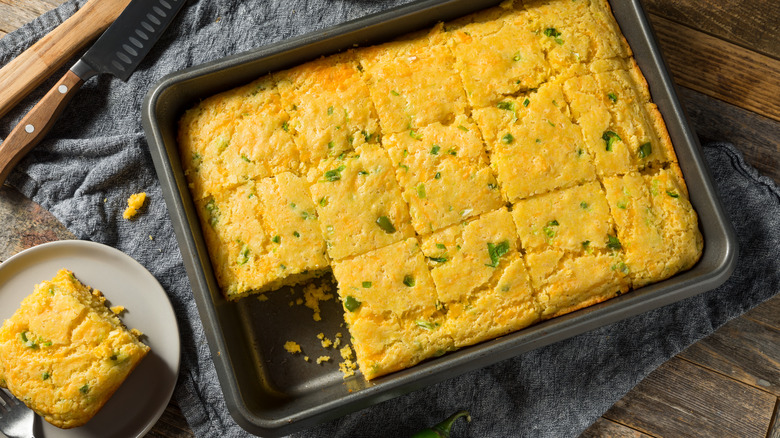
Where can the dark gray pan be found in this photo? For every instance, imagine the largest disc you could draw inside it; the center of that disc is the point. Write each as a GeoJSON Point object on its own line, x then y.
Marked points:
{"type": "Point", "coordinates": [270, 392]}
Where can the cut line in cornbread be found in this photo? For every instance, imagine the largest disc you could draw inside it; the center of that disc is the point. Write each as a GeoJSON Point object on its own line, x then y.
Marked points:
{"type": "Point", "coordinates": [64, 352]}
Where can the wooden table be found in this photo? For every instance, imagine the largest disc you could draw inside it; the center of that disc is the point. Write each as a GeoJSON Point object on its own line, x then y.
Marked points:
{"type": "Point", "coordinates": [725, 58]}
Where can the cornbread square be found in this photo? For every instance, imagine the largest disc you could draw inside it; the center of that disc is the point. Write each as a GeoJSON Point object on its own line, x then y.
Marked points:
{"type": "Point", "coordinates": [574, 32]}
{"type": "Point", "coordinates": [359, 202]}
{"type": "Point", "coordinates": [480, 278]}
{"type": "Point", "coordinates": [576, 219]}
{"type": "Point", "coordinates": [565, 282]}
{"type": "Point", "coordinates": [443, 173]}
{"type": "Point", "coordinates": [236, 136]}
{"type": "Point", "coordinates": [634, 118]}
{"type": "Point", "coordinates": [290, 219]}
{"type": "Point", "coordinates": [590, 106]}
{"type": "Point", "coordinates": [64, 352]}
{"type": "Point", "coordinates": [329, 105]}
{"type": "Point", "coordinates": [498, 57]}
{"type": "Point", "coordinates": [391, 308]}
{"type": "Point", "coordinates": [247, 258]}
{"type": "Point", "coordinates": [413, 83]}
{"type": "Point", "coordinates": [656, 224]}
{"type": "Point", "coordinates": [541, 150]}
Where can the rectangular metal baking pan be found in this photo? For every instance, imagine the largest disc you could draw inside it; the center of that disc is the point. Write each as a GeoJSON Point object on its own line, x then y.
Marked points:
{"type": "Point", "coordinates": [270, 392]}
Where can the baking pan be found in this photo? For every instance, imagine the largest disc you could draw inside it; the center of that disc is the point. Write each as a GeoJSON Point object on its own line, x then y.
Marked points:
{"type": "Point", "coordinates": [270, 392]}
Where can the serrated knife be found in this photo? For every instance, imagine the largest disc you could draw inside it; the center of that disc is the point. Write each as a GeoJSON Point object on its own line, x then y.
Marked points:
{"type": "Point", "coordinates": [117, 52]}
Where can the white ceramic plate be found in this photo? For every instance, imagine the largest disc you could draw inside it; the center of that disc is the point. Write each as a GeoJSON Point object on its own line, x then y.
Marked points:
{"type": "Point", "coordinates": [137, 405]}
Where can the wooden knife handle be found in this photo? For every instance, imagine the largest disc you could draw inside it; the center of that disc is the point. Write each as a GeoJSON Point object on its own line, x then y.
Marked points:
{"type": "Point", "coordinates": [25, 72]}
{"type": "Point", "coordinates": [37, 123]}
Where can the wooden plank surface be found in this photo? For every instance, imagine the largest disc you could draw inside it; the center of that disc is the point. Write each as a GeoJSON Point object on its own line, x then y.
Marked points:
{"type": "Point", "coordinates": [681, 399]}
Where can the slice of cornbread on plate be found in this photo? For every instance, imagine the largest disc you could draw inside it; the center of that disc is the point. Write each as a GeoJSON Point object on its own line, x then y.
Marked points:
{"type": "Point", "coordinates": [655, 223]}
{"type": "Point", "coordinates": [541, 150]}
{"type": "Point", "coordinates": [330, 107]}
{"type": "Point", "coordinates": [497, 57]}
{"type": "Point", "coordinates": [480, 278]}
{"type": "Point", "coordinates": [443, 173]}
{"type": "Point", "coordinates": [413, 83]}
{"type": "Point", "coordinates": [263, 235]}
{"type": "Point", "coordinates": [359, 202]}
{"type": "Point", "coordinates": [64, 352]}
{"type": "Point", "coordinates": [391, 308]}
{"type": "Point", "coordinates": [239, 135]}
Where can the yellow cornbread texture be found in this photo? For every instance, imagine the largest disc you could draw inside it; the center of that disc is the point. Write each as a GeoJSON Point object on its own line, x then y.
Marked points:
{"type": "Point", "coordinates": [463, 181]}
{"type": "Point", "coordinates": [134, 203]}
{"type": "Point", "coordinates": [64, 353]}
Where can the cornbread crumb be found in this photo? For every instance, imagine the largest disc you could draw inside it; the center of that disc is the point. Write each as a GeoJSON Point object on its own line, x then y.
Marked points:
{"type": "Point", "coordinates": [292, 347]}
{"type": "Point", "coordinates": [137, 333]}
{"type": "Point", "coordinates": [348, 366]}
{"type": "Point", "coordinates": [117, 309]}
{"type": "Point", "coordinates": [322, 359]}
{"type": "Point", "coordinates": [313, 294]}
{"type": "Point", "coordinates": [262, 297]}
{"type": "Point", "coordinates": [134, 202]}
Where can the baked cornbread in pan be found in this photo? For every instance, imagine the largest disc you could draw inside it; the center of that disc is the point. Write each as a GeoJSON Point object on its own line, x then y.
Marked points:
{"type": "Point", "coordinates": [64, 352]}
{"type": "Point", "coordinates": [498, 170]}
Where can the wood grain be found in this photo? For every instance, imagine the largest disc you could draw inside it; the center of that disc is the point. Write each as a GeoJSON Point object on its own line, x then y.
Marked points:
{"type": "Point", "coordinates": [767, 313]}
{"type": "Point", "coordinates": [756, 136]}
{"type": "Point", "coordinates": [750, 24]}
{"type": "Point", "coordinates": [607, 428]}
{"type": "Point", "coordinates": [720, 69]}
{"type": "Point", "coordinates": [682, 399]}
{"type": "Point", "coordinates": [26, 224]}
{"type": "Point", "coordinates": [743, 350]}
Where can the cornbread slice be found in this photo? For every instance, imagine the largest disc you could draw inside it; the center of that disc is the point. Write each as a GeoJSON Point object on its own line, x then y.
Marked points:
{"type": "Point", "coordinates": [391, 308]}
{"type": "Point", "coordinates": [443, 173]}
{"type": "Point", "coordinates": [329, 105]}
{"type": "Point", "coordinates": [258, 241]}
{"type": "Point", "coordinates": [590, 106]}
{"type": "Point", "coordinates": [480, 278]}
{"type": "Point", "coordinates": [413, 83]}
{"type": "Point", "coordinates": [359, 202]}
{"type": "Point", "coordinates": [574, 32]}
{"type": "Point", "coordinates": [542, 150]}
{"type": "Point", "coordinates": [64, 353]}
{"type": "Point", "coordinates": [576, 219]}
{"type": "Point", "coordinates": [239, 135]}
{"type": "Point", "coordinates": [498, 57]}
{"type": "Point", "coordinates": [565, 282]}
{"type": "Point", "coordinates": [655, 222]}
{"type": "Point", "coordinates": [429, 160]}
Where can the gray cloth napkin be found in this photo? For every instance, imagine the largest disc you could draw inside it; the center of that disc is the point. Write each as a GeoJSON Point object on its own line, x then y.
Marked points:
{"type": "Point", "coordinates": [96, 156]}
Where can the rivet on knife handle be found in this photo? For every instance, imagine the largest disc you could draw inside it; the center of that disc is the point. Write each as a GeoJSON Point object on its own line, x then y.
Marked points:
{"type": "Point", "coordinates": [34, 126]}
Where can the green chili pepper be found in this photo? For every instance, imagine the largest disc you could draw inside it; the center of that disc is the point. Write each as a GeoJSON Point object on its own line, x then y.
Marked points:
{"type": "Point", "coordinates": [442, 430]}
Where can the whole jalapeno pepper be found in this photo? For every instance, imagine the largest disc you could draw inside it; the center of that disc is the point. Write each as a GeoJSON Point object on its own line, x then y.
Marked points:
{"type": "Point", "coordinates": [442, 430]}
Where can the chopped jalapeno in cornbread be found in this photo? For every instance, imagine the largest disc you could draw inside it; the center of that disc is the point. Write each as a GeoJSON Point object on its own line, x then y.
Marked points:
{"type": "Point", "coordinates": [462, 182]}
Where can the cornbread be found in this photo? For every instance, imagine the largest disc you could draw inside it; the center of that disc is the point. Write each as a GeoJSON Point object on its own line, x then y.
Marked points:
{"type": "Point", "coordinates": [462, 182]}
{"type": "Point", "coordinates": [64, 352]}
{"type": "Point", "coordinates": [134, 203]}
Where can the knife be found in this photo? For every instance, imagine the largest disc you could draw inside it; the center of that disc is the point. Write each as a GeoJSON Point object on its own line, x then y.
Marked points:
{"type": "Point", "coordinates": [117, 52]}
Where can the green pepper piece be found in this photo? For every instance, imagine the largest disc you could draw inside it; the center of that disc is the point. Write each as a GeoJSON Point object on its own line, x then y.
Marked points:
{"type": "Point", "coordinates": [442, 430]}
{"type": "Point", "coordinates": [384, 223]}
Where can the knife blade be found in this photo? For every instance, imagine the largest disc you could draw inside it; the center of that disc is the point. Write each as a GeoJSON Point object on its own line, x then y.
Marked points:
{"type": "Point", "coordinates": [117, 52]}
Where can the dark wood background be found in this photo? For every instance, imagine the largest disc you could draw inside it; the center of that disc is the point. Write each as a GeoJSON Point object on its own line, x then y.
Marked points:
{"type": "Point", "coordinates": [725, 58]}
